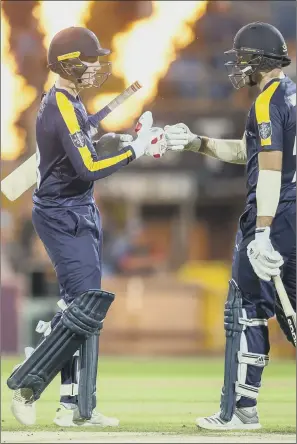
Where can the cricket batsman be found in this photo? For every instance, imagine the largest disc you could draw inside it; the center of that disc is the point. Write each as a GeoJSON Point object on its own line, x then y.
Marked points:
{"type": "Point", "coordinates": [68, 223]}
{"type": "Point", "coordinates": [265, 244]}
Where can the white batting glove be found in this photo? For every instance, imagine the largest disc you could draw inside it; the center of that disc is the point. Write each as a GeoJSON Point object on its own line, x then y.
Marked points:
{"type": "Point", "coordinates": [179, 137]}
{"type": "Point", "coordinates": [265, 260]}
{"type": "Point", "coordinates": [157, 145]}
{"type": "Point", "coordinates": [143, 127]}
{"type": "Point", "coordinates": [150, 140]}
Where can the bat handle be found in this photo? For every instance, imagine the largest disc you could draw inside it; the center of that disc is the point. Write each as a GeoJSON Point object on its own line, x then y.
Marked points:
{"type": "Point", "coordinates": [277, 280]}
{"type": "Point", "coordinates": [285, 301]}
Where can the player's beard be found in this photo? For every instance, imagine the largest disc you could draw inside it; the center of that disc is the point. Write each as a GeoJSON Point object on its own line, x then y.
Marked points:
{"type": "Point", "coordinates": [250, 81]}
{"type": "Point", "coordinates": [254, 79]}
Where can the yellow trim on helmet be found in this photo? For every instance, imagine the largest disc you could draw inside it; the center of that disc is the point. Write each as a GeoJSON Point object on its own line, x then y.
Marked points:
{"type": "Point", "coordinates": [70, 55]}
{"type": "Point", "coordinates": [262, 105]}
{"type": "Point", "coordinates": [67, 111]}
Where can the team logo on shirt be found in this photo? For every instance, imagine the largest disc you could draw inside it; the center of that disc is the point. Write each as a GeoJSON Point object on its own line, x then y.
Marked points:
{"type": "Point", "coordinates": [265, 130]}
{"type": "Point", "coordinates": [78, 139]}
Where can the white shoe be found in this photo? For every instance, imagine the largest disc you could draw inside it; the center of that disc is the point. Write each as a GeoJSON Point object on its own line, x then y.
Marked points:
{"type": "Point", "coordinates": [243, 419]}
{"type": "Point", "coordinates": [64, 415]}
{"type": "Point", "coordinates": [23, 407]}
{"type": "Point", "coordinates": [70, 417]}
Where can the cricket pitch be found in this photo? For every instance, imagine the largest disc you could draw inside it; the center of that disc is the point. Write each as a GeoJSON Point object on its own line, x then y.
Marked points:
{"type": "Point", "coordinates": [126, 437]}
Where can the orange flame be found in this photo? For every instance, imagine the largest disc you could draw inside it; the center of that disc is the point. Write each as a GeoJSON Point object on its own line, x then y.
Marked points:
{"type": "Point", "coordinates": [144, 52]}
{"type": "Point", "coordinates": [16, 97]}
{"type": "Point", "coordinates": [54, 16]}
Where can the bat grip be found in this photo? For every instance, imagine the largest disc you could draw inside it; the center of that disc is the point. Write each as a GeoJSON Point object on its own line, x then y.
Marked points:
{"type": "Point", "coordinates": [284, 299]}
{"type": "Point", "coordinates": [121, 98]}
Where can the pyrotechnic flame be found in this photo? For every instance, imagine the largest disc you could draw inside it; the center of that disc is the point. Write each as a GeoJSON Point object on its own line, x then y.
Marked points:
{"type": "Point", "coordinates": [144, 52]}
{"type": "Point", "coordinates": [53, 16]}
{"type": "Point", "coordinates": [16, 97]}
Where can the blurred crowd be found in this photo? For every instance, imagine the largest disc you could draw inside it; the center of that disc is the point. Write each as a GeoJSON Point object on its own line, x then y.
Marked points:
{"type": "Point", "coordinates": [199, 72]}
{"type": "Point", "coordinates": [195, 86]}
{"type": "Point", "coordinates": [128, 251]}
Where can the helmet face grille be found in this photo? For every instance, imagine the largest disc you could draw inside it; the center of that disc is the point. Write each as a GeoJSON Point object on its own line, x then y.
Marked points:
{"type": "Point", "coordinates": [245, 64]}
{"type": "Point", "coordinates": [94, 76]}
{"type": "Point", "coordinates": [79, 72]}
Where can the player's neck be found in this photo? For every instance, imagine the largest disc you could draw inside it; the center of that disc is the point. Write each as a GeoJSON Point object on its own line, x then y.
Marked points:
{"type": "Point", "coordinates": [267, 77]}
{"type": "Point", "coordinates": [67, 85]}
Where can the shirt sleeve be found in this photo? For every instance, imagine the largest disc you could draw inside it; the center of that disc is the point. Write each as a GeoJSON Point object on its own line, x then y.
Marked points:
{"type": "Point", "coordinates": [270, 121]}
{"type": "Point", "coordinates": [79, 148]}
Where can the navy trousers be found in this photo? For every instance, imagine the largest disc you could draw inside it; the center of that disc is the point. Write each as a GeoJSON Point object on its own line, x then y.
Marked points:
{"type": "Point", "coordinates": [260, 299]}
{"type": "Point", "coordinates": [73, 240]}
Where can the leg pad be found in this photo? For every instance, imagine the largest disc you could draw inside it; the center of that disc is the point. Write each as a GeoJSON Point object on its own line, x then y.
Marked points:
{"type": "Point", "coordinates": [88, 376]}
{"type": "Point", "coordinates": [82, 319]}
{"type": "Point", "coordinates": [237, 356]}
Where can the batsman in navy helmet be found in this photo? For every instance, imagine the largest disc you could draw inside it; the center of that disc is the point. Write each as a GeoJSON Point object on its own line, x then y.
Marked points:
{"type": "Point", "coordinates": [265, 244]}
{"type": "Point", "coordinates": [68, 222]}
{"type": "Point", "coordinates": [257, 48]}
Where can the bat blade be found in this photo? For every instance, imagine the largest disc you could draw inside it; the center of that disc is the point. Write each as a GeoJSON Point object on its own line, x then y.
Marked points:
{"type": "Point", "coordinates": [24, 176]}
{"type": "Point", "coordinates": [287, 307]}
{"type": "Point", "coordinates": [292, 326]}
{"type": "Point", "coordinates": [20, 180]}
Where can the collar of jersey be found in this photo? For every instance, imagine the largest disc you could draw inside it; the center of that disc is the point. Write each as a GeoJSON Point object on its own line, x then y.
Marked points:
{"type": "Point", "coordinates": [68, 94]}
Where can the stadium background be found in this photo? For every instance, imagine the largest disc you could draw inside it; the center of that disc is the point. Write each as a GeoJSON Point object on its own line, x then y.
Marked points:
{"type": "Point", "coordinates": [169, 223]}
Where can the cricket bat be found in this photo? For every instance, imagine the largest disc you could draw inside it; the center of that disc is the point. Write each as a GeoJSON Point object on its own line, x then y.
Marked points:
{"type": "Point", "coordinates": [287, 307]}
{"type": "Point", "coordinates": [24, 177]}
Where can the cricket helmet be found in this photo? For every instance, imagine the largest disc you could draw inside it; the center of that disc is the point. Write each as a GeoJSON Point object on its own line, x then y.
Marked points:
{"type": "Point", "coordinates": [257, 47]}
{"type": "Point", "coordinates": [74, 54]}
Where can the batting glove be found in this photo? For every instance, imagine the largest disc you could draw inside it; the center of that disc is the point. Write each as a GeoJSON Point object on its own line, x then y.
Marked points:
{"type": "Point", "coordinates": [179, 138]}
{"type": "Point", "coordinates": [157, 145]}
{"type": "Point", "coordinates": [150, 140]}
{"type": "Point", "coordinates": [265, 260]}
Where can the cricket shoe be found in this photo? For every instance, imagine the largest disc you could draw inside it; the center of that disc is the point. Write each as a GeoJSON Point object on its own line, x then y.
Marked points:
{"type": "Point", "coordinates": [69, 417]}
{"type": "Point", "coordinates": [23, 407]}
{"type": "Point", "coordinates": [243, 419]}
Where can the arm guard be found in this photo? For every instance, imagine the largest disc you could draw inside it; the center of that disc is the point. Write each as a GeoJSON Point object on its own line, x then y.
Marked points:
{"type": "Point", "coordinates": [231, 151]}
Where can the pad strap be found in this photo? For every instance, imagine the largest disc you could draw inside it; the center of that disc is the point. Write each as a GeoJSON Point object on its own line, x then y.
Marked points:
{"type": "Point", "coordinates": [43, 328]}
{"type": "Point", "coordinates": [254, 322]}
{"type": "Point", "coordinates": [253, 359]}
{"type": "Point", "coordinates": [69, 389]}
{"type": "Point", "coordinates": [246, 390]}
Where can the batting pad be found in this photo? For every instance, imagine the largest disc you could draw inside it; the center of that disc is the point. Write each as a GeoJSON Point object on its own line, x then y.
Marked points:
{"type": "Point", "coordinates": [82, 319]}
{"type": "Point", "coordinates": [237, 356]}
